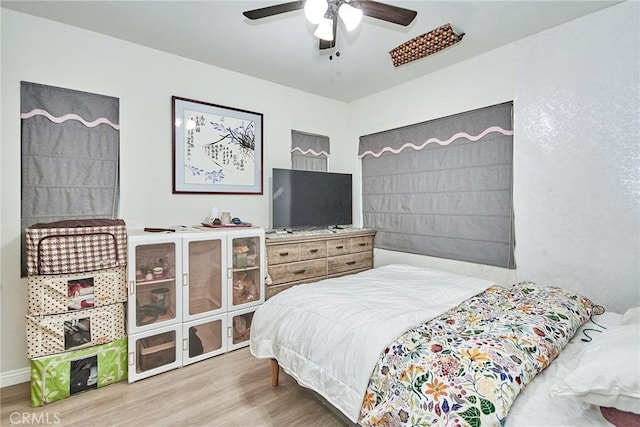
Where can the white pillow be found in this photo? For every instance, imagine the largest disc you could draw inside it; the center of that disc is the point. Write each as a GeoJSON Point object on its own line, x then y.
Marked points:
{"type": "Point", "coordinates": [607, 371]}
{"type": "Point", "coordinates": [631, 316]}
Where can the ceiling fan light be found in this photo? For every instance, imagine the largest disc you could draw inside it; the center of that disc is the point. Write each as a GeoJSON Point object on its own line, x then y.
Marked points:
{"type": "Point", "coordinates": [314, 10]}
{"type": "Point", "coordinates": [351, 16]}
{"type": "Point", "coordinates": [324, 30]}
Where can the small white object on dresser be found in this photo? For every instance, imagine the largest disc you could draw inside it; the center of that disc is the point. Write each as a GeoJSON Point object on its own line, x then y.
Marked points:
{"type": "Point", "coordinates": [192, 295]}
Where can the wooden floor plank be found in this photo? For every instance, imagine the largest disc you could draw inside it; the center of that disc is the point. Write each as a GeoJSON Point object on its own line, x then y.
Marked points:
{"type": "Point", "coordinates": [233, 389]}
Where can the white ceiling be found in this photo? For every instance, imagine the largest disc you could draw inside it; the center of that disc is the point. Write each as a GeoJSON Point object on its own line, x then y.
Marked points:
{"type": "Point", "coordinates": [282, 49]}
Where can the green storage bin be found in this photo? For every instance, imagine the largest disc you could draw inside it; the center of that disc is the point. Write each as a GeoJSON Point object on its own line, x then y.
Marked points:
{"type": "Point", "coordinates": [61, 375]}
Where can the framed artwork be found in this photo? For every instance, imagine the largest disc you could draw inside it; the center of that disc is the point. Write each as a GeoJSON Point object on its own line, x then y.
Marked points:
{"type": "Point", "coordinates": [216, 149]}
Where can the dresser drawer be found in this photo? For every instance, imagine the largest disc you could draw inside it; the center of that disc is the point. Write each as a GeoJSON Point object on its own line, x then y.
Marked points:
{"type": "Point", "coordinates": [280, 254]}
{"type": "Point", "coordinates": [338, 247]}
{"type": "Point", "coordinates": [361, 244]}
{"type": "Point", "coordinates": [297, 271]}
{"type": "Point", "coordinates": [313, 250]}
{"type": "Point", "coordinates": [272, 290]}
{"type": "Point", "coordinates": [344, 263]}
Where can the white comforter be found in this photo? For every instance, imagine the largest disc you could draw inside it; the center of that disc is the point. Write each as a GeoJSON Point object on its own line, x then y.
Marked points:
{"type": "Point", "coordinates": [328, 335]}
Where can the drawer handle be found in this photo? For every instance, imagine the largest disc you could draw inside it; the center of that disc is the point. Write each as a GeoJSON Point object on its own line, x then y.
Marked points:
{"type": "Point", "coordinates": [340, 247]}
{"type": "Point", "coordinates": [313, 251]}
{"type": "Point", "coordinates": [350, 262]}
{"type": "Point", "coordinates": [300, 271]}
{"type": "Point", "coordinates": [283, 253]}
{"type": "Point", "coordinates": [362, 244]}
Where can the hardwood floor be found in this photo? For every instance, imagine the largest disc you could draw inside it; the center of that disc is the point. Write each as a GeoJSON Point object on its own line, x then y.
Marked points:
{"type": "Point", "coordinates": [233, 389]}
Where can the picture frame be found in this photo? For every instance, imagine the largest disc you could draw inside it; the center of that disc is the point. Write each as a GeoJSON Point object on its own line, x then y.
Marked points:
{"type": "Point", "coordinates": [216, 149]}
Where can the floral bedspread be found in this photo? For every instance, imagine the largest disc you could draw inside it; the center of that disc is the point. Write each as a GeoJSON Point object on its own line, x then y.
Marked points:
{"type": "Point", "coordinates": [467, 366]}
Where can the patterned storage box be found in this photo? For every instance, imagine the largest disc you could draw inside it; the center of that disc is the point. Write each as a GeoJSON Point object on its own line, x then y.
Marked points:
{"type": "Point", "coordinates": [67, 247]}
{"type": "Point", "coordinates": [57, 333]}
{"type": "Point", "coordinates": [58, 294]}
{"type": "Point", "coordinates": [62, 375]}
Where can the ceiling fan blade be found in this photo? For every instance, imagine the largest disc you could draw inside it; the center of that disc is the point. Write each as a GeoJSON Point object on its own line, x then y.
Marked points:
{"type": "Point", "coordinates": [387, 12]}
{"type": "Point", "coordinates": [325, 44]}
{"type": "Point", "coordinates": [277, 9]}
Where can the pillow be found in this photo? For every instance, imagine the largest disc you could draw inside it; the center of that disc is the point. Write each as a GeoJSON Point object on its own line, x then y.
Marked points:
{"type": "Point", "coordinates": [607, 371]}
{"type": "Point", "coordinates": [631, 316]}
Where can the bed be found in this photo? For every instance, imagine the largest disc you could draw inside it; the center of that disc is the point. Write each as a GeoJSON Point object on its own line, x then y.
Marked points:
{"type": "Point", "coordinates": [404, 345]}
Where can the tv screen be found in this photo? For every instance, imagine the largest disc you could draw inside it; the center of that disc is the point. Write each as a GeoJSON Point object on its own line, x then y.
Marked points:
{"type": "Point", "coordinates": [306, 199]}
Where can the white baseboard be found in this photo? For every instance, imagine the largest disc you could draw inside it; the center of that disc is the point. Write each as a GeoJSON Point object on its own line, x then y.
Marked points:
{"type": "Point", "coordinates": [17, 376]}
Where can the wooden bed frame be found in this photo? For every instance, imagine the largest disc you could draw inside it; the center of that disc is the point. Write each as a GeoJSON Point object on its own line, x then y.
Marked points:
{"type": "Point", "coordinates": [275, 372]}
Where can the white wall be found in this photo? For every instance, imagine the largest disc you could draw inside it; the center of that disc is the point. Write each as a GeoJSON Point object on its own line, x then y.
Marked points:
{"type": "Point", "coordinates": [576, 149]}
{"type": "Point", "coordinates": [578, 156]}
{"type": "Point", "coordinates": [45, 52]}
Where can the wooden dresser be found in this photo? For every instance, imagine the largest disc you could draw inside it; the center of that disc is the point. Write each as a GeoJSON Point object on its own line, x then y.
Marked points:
{"type": "Point", "coordinates": [309, 257]}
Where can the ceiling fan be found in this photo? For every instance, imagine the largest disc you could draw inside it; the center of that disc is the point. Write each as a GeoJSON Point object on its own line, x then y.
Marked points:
{"type": "Point", "coordinates": [325, 14]}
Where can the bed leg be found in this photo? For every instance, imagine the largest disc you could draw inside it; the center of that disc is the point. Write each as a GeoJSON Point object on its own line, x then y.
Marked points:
{"type": "Point", "coordinates": [275, 372]}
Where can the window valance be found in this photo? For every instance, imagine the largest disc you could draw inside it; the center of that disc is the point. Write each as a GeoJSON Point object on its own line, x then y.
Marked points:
{"type": "Point", "coordinates": [470, 126]}
{"type": "Point", "coordinates": [309, 144]}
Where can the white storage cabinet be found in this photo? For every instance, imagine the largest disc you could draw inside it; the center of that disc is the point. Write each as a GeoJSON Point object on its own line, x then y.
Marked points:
{"type": "Point", "coordinates": [191, 295]}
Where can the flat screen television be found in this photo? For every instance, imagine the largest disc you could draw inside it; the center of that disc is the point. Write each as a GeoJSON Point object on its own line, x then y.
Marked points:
{"type": "Point", "coordinates": [307, 199]}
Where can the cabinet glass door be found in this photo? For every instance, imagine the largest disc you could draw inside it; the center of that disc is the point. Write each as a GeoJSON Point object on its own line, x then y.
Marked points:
{"type": "Point", "coordinates": [206, 282]}
{"type": "Point", "coordinates": [239, 329]}
{"type": "Point", "coordinates": [246, 270]}
{"type": "Point", "coordinates": [154, 352]}
{"type": "Point", "coordinates": [203, 338]}
{"type": "Point", "coordinates": [156, 298]}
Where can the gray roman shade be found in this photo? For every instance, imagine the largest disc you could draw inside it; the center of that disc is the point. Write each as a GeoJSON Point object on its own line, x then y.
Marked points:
{"type": "Point", "coordinates": [309, 151]}
{"type": "Point", "coordinates": [443, 187]}
{"type": "Point", "coordinates": [70, 154]}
